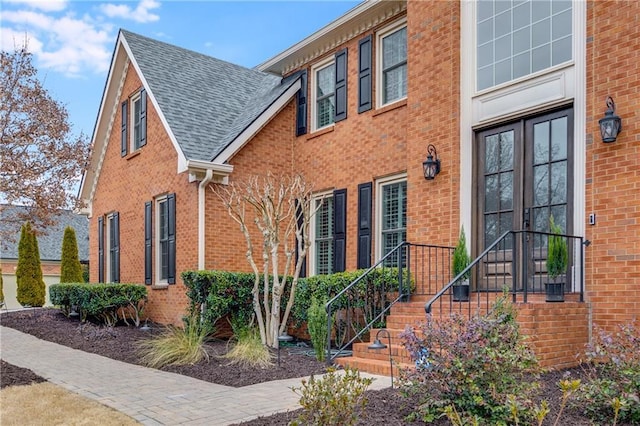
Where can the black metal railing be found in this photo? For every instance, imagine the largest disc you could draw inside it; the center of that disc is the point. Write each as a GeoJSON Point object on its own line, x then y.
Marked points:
{"type": "Point", "coordinates": [408, 269]}
{"type": "Point", "coordinates": [516, 263]}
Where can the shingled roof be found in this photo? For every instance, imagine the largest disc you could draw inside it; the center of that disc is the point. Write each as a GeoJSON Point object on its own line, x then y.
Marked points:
{"type": "Point", "coordinates": [207, 102]}
{"type": "Point", "coordinates": [50, 244]}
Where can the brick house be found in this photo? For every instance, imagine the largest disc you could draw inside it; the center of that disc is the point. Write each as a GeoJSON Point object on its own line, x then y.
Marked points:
{"type": "Point", "coordinates": [509, 95]}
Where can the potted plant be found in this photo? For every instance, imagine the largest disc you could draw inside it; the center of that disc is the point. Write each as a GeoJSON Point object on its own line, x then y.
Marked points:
{"type": "Point", "coordinates": [557, 261]}
{"type": "Point", "coordinates": [461, 260]}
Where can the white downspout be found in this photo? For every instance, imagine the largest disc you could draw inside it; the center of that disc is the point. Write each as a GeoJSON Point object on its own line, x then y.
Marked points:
{"type": "Point", "coordinates": [201, 211]}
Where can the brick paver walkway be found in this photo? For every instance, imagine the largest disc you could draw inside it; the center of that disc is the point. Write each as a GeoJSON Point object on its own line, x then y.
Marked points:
{"type": "Point", "coordinates": [150, 396]}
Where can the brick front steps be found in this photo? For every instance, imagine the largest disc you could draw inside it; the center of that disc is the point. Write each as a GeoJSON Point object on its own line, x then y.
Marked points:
{"type": "Point", "coordinates": [556, 331]}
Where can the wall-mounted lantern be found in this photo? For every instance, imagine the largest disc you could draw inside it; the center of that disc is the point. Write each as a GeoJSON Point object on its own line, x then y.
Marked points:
{"type": "Point", "coordinates": [431, 165]}
{"type": "Point", "coordinates": [610, 124]}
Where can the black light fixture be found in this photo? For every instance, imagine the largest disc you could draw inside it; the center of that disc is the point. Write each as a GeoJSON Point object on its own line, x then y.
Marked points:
{"type": "Point", "coordinates": [610, 124]}
{"type": "Point", "coordinates": [377, 344]}
{"type": "Point", "coordinates": [284, 337]}
{"type": "Point", "coordinates": [431, 166]}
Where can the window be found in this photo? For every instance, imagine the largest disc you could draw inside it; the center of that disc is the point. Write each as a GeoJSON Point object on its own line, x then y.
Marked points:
{"type": "Point", "coordinates": [392, 208]}
{"type": "Point", "coordinates": [392, 64]}
{"type": "Point", "coordinates": [109, 248]}
{"type": "Point", "coordinates": [162, 240]}
{"type": "Point", "coordinates": [134, 123]}
{"type": "Point", "coordinates": [520, 38]}
{"type": "Point", "coordinates": [324, 77]}
{"type": "Point", "coordinates": [323, 235]}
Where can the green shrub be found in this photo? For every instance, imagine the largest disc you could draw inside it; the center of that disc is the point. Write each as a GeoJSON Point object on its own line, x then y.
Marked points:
{"type": "Point", "coordinates": [70, 267]}
{"type": "Point", "coordinates": [461, 256]}
{"type": "Point", "coordinates": [175, 346]}
{"type": "Point", "coordinates": [479, 368]}
{"type": "Point", "coordinates": [317, 325]}
{"type": "Point", "coordinates": [333, 399]}
{"type": "Point", "coordinates": [611, 391]}
{"type": "Point", "coordinates": [557, 257]}
{"type": "Point", "coordinates": [105, 302]}
{"type": "Point", "coordinates": [31, 288]}
{"type": "Point", "coordinates": [1, 288]}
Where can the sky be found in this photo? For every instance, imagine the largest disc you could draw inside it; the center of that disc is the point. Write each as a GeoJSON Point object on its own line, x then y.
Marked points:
{"type": "Point", "coordinates": [72, 41]}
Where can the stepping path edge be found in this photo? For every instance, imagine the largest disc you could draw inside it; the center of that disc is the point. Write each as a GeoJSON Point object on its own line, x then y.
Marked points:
{"type": "Point", "coordinates": [150, 396]}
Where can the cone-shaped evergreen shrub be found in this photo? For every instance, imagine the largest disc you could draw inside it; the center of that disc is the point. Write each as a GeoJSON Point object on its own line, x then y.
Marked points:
{"type": "Point", "coordinates": [1, 288]}
{"type": "Point", "coordinates": [70, 269]}
{"type": "Point", "coordinates": [31, 288]}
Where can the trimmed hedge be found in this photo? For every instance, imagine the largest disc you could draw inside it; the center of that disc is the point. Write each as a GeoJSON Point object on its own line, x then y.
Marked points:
{"type": "Point", "coordinates": [229, 293]}
{"type": "Point", "coordinates": [105, 302]}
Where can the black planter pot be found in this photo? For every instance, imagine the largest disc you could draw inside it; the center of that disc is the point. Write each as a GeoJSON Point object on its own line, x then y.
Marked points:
{"type": "Point", "coordinates": [461, 292]}
{"type": "Point", "coordinates": [554, 291]}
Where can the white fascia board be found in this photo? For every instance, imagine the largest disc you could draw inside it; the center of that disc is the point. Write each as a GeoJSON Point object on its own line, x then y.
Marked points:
{"type": "Point", "coordinates": [182, 161]}
{"type": "Point", "coordinates": [357, 10]}
{"type": "Point", "coordinates": [257, 124]}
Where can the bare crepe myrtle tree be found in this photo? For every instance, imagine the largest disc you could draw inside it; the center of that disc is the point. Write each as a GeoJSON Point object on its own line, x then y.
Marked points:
{"type": "Point", "coordinates": [279, 207]}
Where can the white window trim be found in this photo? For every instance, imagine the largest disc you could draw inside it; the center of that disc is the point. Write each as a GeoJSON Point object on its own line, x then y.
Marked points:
{"type": "Point", "coordinates": [156, 241]}
{"type": "Point", "coordinates": [389, 29]}
{"type": "Point", "coordinates": [107, 239]}
{"type": "Point", "coordinates": [329, 61]}
{"type": "Point", "coordinates": [378, 209]}
{"type": "Point", "coordinates": [558, 85]}
{"type": "Point", "coordinates": [312, 229]}
{"type": "Point", "coordinates": [132, 121]}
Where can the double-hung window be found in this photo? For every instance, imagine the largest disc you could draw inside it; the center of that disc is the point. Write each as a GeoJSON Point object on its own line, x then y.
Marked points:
{"type": "Point", "coordinates": [136, 106]}
{"type": "Point", "coordinates": [392, 63]}
{"type": "Point", "coordinates": [392, 198]}
{"type": "Point", "coordinates": [323, 235]}
{"type": "Point", "coordinates": [134, 123]}
{"type": "Point", "coordinates": [324, 77]}
{"type": "Point", "coordinates": [109, 248]}
{"type": "Point", "coordinates": [162, 240]}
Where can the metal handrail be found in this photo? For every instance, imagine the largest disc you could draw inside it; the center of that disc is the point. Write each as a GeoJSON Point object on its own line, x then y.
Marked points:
{"type": "Point", "coordinates": [331, 357]}
{"type": "Point", "coordinates": [498, 241]}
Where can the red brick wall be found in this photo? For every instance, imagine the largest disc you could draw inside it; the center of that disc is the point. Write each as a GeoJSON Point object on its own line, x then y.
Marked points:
{"type": "Point", "coordinates": [124, 185]}
{"type": "Point", "coordinates": [613, 170]}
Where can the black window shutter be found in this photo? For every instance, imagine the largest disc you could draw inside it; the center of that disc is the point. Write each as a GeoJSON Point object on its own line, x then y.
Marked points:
{"type": "Point", "coordinates": [300, 216]}
{"type": "Point", "coordinates": [143, 117]}
{"type": "Point", "coordinates": [148, 248]}
{"type": "Point", "coordinates": [116, 251]}
{"type": "Point", "coordinates": [364, 75]}
{"type": "Point", "coordinates": [171, 275]}
{"type": "Point", "coordinates": [301, 115]}
{"type": "Point", "coordinates": [364, 225]}
{"type": "Point", "coordinates": [123, 139]}
{"type": "Point", "coordinates": [101, 249]}
{"type": "Point", "coordinates": [341, 85]}
{"type": "Point", "coordinates": [339, 229]}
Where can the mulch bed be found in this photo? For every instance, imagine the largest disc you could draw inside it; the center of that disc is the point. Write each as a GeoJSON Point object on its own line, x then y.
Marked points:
{"type": "Point", "coordinates": [385, 407]}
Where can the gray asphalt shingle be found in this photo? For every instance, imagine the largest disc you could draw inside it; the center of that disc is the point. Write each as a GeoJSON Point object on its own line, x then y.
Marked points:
{"type": "Point", "coordinates": [207, 102]}
{"type": "Point", "coordinates": [50, 244]}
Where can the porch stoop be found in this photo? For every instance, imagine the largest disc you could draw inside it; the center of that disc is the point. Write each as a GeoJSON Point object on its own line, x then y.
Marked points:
{"type": "Point", "coordinates": [557, 332]}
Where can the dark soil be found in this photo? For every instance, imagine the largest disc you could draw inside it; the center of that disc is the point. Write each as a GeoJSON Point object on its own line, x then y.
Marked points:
{"type": "Point", "coordinates": [385, 407]}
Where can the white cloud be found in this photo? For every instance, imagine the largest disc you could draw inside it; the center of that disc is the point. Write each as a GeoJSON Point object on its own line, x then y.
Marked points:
{"type": "Point", "coordinates": [11, 40]}
{"type": "Point", "coordinates": [142, 13]}
{"type": "Point", "coordinates": [46, 5]}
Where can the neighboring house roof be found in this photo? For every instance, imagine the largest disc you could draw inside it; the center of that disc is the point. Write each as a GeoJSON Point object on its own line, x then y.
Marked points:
{"type": "Point", "coordinates": [207, 102]}
{"type": "Point", "coordinates": [50, 244]}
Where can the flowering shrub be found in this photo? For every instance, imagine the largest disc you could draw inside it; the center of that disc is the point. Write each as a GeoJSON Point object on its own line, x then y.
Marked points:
{"type": "Point", "coordinates": [612, 389]}
{"type": "Point", "coordinates": [478, 370]}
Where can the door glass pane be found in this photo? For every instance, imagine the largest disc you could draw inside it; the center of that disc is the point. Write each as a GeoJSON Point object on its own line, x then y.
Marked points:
{"type": "Point", "coordinates": [491, 194]}
{"type": "Point", "coordinates": [559, 183]}
{"type": "Point", "coordinates": [541, 143]}
{"type": "Point", "coordinates": [506, 224]}
{"type": "Point", "coordinates": [506, 151]}
{"type": "Point", "coordinates": [559, 139]}
{"type": "Point", "coordinates": [490, 229]}
{"type": "Point", "coordinates": [559, 217]}
{"type": "Point", "coordinates": [506, 191]}
{"type": "Point", "coordinates": [541, 185]}
{"type": "Point", "coordinates": [491, 154]}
